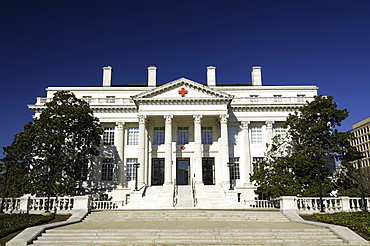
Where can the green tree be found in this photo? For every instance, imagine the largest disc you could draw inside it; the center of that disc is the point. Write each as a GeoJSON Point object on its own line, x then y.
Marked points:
{"type": "Point", "coordinates": [53, 147]}
{"type": "Point", "coordinates": [296, 165]}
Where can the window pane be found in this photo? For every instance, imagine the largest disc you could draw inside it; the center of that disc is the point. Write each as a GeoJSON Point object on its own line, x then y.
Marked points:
{"type": "Point", "coordinates": [107, 170]}
{"type": "Point", "coordinates": [182, 135]}
{"type": "Point", "coordinates": [133, 136]}
{"type": "Point", "coordinates": [108, 136]}
{"type": "Point", "coordinates": [158, 135]}
{"type": "Point", "coordinates": [130, 171]}
{"type": "Point", "coordinates": [256, 135]}
{"type": "Point", "coordinates": [235, 171]}
{"type": "Point", "coordinates": [232, 134]}
{"type": "Point", "coordinates": [207, 135]}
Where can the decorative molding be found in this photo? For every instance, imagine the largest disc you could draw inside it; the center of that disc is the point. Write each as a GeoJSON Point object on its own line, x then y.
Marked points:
{"type": "Point", "coordinates": [197, 118]}
{"type": "Point", "coordinates": [168, 118]}
{"type": "Point", "coordinates": [269, 123]}
{"type": "Point", "coordinates": [120, 125]}
{"type": "Point", "coordinates": [223, 118]}
{"type": "Point", "coordinates": [245, 125]}
{"type": "Point", "coordinates": [142, 118]}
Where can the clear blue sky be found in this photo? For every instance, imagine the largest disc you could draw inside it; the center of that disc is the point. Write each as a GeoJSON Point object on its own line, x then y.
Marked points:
{"type": "Point", "coordinates": [66, 43]}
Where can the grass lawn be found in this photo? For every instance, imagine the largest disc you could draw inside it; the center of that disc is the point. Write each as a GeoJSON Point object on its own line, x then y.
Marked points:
{"type": "Point", "coordinates": [12, 224]}
{"type": "Point", "coordinates": [359, 222]}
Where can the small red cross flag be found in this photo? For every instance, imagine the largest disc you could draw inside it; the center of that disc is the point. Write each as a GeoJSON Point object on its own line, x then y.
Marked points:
{"type": "Point", "coordinates": [183, 147]}
{"type": "Point", "coordinates": [183, 92]}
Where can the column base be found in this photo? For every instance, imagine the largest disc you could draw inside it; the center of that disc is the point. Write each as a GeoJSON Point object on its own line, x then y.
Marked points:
{"type": "Point", "coordinates": [198, 183]}
{"type": "Point", "coordinates": [167, 183]}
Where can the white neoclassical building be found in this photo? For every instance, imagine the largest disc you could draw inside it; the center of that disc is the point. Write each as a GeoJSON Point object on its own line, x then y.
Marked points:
{"type": "Point", "coordinates": [183, 133]}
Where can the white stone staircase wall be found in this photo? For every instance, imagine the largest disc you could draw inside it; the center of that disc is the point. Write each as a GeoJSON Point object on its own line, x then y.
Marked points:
{"type": "Point", "coordinates": [156, 197]}
{"type": "Point", "coordinates": [214, 196]}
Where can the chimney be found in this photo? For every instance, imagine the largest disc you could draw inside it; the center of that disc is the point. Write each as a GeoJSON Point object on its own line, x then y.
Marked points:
{"type": "Point", "coordinates": [211, 76]}
{"type": "Point", "coordinates": [152, 76]}
{"type": "Point", "coordinates": [107, 76]}
{"type": "Point", "coordinates": [256, 76]}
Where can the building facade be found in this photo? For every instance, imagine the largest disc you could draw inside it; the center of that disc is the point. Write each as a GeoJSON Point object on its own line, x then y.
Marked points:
{"type": "Point", "coordinates": [183, 132]}
{"type": "Point", "coordinates": [361, 131]}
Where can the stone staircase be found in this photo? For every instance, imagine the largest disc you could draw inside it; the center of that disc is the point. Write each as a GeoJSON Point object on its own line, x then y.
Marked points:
{"type": "Point", "coordinates": [184, 197]}
{"type": "Point", "coordinates": [188, 227]}
{"type": "Point", "coordinates": [214, 196]}
{"type": "Point", "coordinates": [155, 197]}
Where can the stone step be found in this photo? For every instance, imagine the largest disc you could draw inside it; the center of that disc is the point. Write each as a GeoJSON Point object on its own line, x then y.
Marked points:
{"type": "Point", "coordinates": [190, 236]}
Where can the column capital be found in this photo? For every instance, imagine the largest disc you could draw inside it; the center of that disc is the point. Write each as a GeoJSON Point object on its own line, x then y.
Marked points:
{"type": "Point", "coordinates": [142, 118]}
{"type": "Point", "coordinates": [168, 118]}
{"type": "Point", "coordinates": [223, 118]}
{"type": "Point", "coordinates": [245, 124]}
{"type": "Point", "coordinates": [197, 118]}
{"type": "Point", "coordinates": [120, 125]}
{"type": "Point", "coordinates": [269, 123]}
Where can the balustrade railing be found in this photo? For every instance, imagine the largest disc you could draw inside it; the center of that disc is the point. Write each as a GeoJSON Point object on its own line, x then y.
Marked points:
{"type": "Point", "coordinates": [262, 203]}
{"type": "Point", "coordinates": [193, 191]}
{"type": "Point", "coordinates": [11, 204]}
{"type": "Point", "coordinates": [105, 205]}
{"type": "Point", "coordinates": [271, 100]}
{"type": "Point", "coordinates": [93, 101]}
{"type": "Point", "coordinates": [313, 204]}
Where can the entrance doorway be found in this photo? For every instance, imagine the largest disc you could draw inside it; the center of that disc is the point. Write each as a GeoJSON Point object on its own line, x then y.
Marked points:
{"type": "Point", "coordinates": [208, 170]}
{"type": "Point", "coordinates": [182, 171]}
{"type": "Point", "coordinates": [157, 171]}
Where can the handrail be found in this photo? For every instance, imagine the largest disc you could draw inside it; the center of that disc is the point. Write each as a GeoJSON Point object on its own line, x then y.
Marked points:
{"type": "Point", "coordinates": [193, 191]}
{"type": "Point", "coordinates": [175, 193]}
{"type": "Point", "coordinates": [144, 191]}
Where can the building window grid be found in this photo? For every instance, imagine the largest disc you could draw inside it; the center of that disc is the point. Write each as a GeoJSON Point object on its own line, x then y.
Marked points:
{"type": "Point", "coordinates": [107, 169]}
{"type": "Point", "coordinates": [207, 135]}
{"type": "Point", "coordinates": [108, 136]}
{"type": "Point", "coordinates": [232, 132]}
{"type": "Point", "coordinates": [133, 136]}
{"type": "Point", "coordinates": [158, 135]}
{"type": "Point", "coordinates": [256, 135]}
{"type": "Point", "coordinates": [254, 98]}
{"type": "Point", "coordinates": [300, 98]}
{"type": "Point", "coordinates": [130, 171]}
{"type": "Point", "coordinates": [279, 130]}
{"type": "Point", "coordinates": [255, 162]}
{"type": "Point", "coordinates": [182, 135]}
{"type": "Point", "coordinates": [235, 171]}
{"type": "Point", "coordinates": [278, 98]}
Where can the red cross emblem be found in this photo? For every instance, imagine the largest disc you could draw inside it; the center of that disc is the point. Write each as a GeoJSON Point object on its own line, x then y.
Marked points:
{"type": "Point", "coordinates": [183, 147]}
{"type": "Point", "coordinates": [183, 92]}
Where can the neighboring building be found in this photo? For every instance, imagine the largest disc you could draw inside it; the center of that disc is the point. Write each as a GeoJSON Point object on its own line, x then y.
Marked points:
{"type": "Point", "coordinates": [183, 131]}
{"type": "Point", "coordinates": [361, 131]}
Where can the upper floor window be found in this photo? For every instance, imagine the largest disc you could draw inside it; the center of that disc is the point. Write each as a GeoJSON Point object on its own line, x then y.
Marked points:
{"type": "Point", "coordinates": [256, 135]}
{"type": "Point", "coordinates": [108, 136]}
{"type": "Point", "coordinates": [277, 98]}
{"type": "Point", "coordinates": [158, 135]}
{"type": "Point", "coordinates": [107, 169]}
{"type": "Point", "coordinates": [111, 99]}
{"type": "Point", "coordinates": [182, 135]}
{"type": "Point", "coordinates": [254, 98]}
{"type": "Point", "coordinates": [300, 98]}
{"type": "Point", "coordinates": [278, 130]}
{"type": "Point", "coordinates": [207, 135]}
{"type": "Point", "coordinates": [133, 136]}
{"type": "Point", "coordinates": [232, 132]}
{"type": "Point", "coordinates": [256, 162]}
{"type": "Point", "coordinates": [87, 99]}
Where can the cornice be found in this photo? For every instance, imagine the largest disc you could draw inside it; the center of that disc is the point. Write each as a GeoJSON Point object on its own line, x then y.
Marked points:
{"type": "Point", "coordinates": [265, 108]}
{"type": "Point", "coordinates": [183, 101]}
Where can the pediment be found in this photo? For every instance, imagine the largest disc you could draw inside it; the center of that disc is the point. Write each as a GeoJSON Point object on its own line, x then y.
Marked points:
{"type": "Point", "coordinates": [182, 89]}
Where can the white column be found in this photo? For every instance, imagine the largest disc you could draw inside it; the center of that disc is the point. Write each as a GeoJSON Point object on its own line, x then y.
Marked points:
{"type": "Point", "coordinates": [198, 149]}
{"type": "Point", "coordinates": [168, 150]}
{"type": "Point", "coordinates": [269, 133]}
{"type": "Point", "coordinates": [245, 160]}
{"type": "Point", "coordinates": [224, 156]}
{"type": "Point", "coordinates": [119, 143]}
{"type": "Point", "coordinates": [141, 148]}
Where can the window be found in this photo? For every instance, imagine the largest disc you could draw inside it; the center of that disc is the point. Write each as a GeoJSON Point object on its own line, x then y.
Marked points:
{"type": "Point", "coordinates": [235, 172]}
{"type": "Point", "coordinates": [130, 170]}
{"type": "Point", "coordinates": [133, 136]}
{"type": "Point", "coordinates": [108, 136]}
{"type": "Point", "coordinates": [182, 135]}
{"type": "Point", "coordinates": [158, 135]}
{"type": "Point", "coordinates": [256, 135]}
{"type": "Point", "coordinates": [277, 98]}
{"type": "Point", "coordinates": [107, 170]}
{"type": "Point", "coordinates": [207, 135]}
{"type": "Point", "coordinates": [87, 99]}
{"type": "Point", "coordinates": [254, 98]}
{"type": "Point", "coordinates": [111, 99]}
{"type": "Point", "coordinates": [300, 98]}
{"type": "Point", "coordinates": [255, 162]}
{"type": "Point", "coordinates": [278, 130]}
{"type": "Point", "coordinates": [232, 132]}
